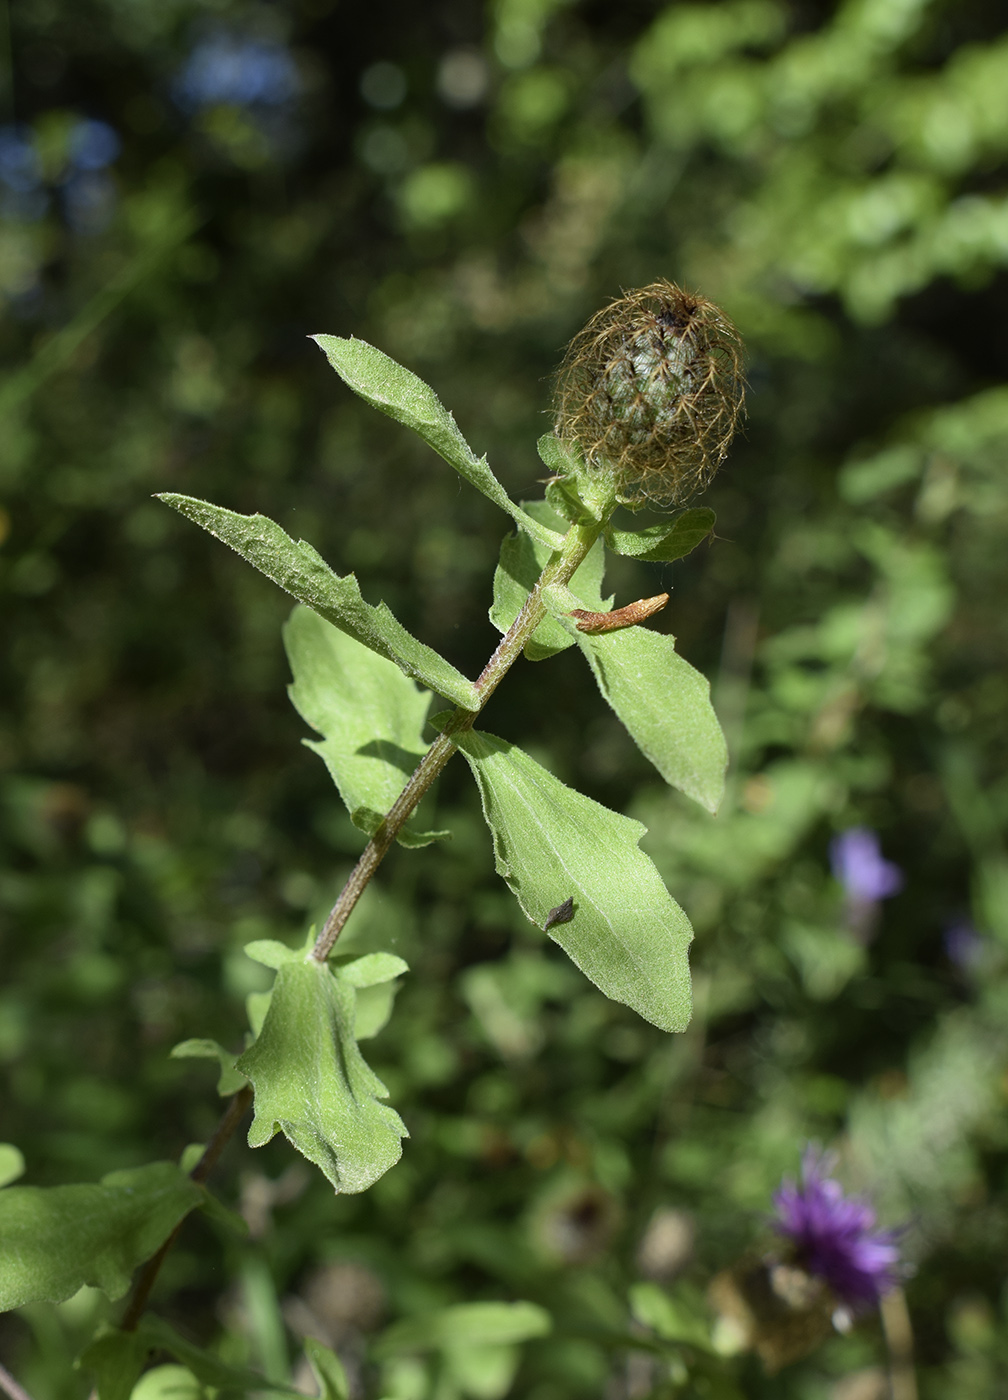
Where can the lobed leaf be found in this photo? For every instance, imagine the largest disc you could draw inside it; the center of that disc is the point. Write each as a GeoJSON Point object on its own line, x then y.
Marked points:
{"type": "Point", "coordinates": [56, 1239]}
{"type": "Point", "coordinates": [664, 704]}
{"type": "Point", "coordinates": [302, 572]}
{"type": "Point", "coordinates": [370, 714]}
{"type": "Point", "coordinates": [403, 395]}
{"type": "Point", "coordinates": [522, 560]}
{"type": "Point", "coordinates": [627, 934]}
{"type": "Point", "coordinates": [312, 1083]}
{"type": "Point", "coordinates": [661, 544]}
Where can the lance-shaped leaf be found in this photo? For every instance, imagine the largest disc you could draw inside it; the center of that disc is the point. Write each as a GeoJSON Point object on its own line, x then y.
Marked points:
{"type": "Point", "coordinates": [660, 544]}
{"type": "Point", "coordinates": [372, 717]}
{"type": "Point", "coordinates": [56, 1239]}
{"type": "Point", "coordinates": [302, 572]}
{"type": "Point", "coordinates": [403, 395]}
{"type": "Point", "coordinates": [522, 560]}
{"type": "Point", "coordinates": [663, 702]}
{"type": "Point", "coordinates": [312, 1083]}
{"type": "Point", "coordinates": [553, 845]}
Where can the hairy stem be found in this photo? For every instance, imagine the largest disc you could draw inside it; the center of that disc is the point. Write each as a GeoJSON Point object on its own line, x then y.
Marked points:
{"type": "Point", "coordinates": [560, 569]}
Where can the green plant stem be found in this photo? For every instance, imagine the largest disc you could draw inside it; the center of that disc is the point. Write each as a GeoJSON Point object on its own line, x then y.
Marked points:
{"type": "Point", "coordinates": [238, 1106]}
{"type": "Point", "coordinates": [560, 569]}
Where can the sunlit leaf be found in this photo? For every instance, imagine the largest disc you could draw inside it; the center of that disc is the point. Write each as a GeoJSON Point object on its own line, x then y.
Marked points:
{"type": "Point", "coordinates": [664, 704]}
{"type": "Point", "coordinates": [56, 1239]}
{"type": "Point", "coordinates": [553, 844]}
{"type": "Point", "coordinates": [169, 1382]}
{"type": "Point", "coordinates": [312, 1083]}
{"type": "Point", "coordinates": [661, 544]}
{"type": "Point", "coordinates": [522, 560]}
{"type": "Point", "coordinates": [372, 717]}
{"type": "Point", "coordinates": [403, 395]}
{"type": "Point", "coordinates": [302, 572]}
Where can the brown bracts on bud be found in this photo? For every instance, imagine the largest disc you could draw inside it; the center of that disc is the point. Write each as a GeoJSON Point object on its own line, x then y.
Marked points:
{"type": "Point", "coordinates": [651, 391]}
{"type": "Point", "coordinates": [596, 622]}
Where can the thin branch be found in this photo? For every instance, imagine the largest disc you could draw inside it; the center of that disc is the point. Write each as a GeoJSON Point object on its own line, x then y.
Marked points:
{"type": "Point", "coordinates": [577, 542]}
{"type": "Point", "coordinates": [10, 1385]}
{"type": "Point", "coordinates": [237, 1107]}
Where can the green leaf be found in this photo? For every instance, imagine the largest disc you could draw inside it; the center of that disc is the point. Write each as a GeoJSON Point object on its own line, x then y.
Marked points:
{"type": "Point", "coordinates": [301, 571]}
{"type": "Point", "coordinates": [660, 544]}
{"type": "Point", "coordinates": [522, 560]}
{"type": "Point", "coordinates": [312, 1083]}
{"type": "Point", "coordinates": [627, 933]}
{"type": "Point", "coordinates": [373, 978]}
{"type": "Point", "coordinates": [204, 1365]}
{"type": "Point", "coordinates": [327, 1370]}
{"type": "Point", "coordinates": [12, 1163]}
{"type": "Point", "coordinates": [56, 1239]}
{"type": "Point", "coordinates": [465, 1324]}
{"type": "Point", "coordinates": [115, 1359]}
{"type": "Point", "coordinates": [372, 717]}
{"type": "Point", "coordinates": [170, 1382]}
{"type": "Point", "coordinates": [665, 705]}
{"type": "Point", "coordinates": [229, 1080]}
{"type": "Point", "coordinates": [403, 395]}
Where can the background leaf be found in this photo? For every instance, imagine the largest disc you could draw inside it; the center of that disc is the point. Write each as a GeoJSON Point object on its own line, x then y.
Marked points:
{"type": "Point", "coordinates": [12, 1163]}
{"type": "Point", "coordinates": [301, 571]}
{"type": "Point", "coordinates": [627, 934]}
{"type": "Point", "coordinates": [371, 714]}
{"type": "Point", "coordinates": [664, 704]}
{"type": "Point", "coordinates": [54, 1240]}
{"type": "Point", "coordinates": [312, 1083]}
{"type": "Point", "coordinates": [328, 1371]}
{"type": "Point", "coordinates": [522, 560]}
{"type": "Point", "coordinates": [404, 396]}
{"type": "Point", "coordinates": [466, 1324]}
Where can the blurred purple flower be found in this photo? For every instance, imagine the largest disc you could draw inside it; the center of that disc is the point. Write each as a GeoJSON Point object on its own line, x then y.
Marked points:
{"type": "Point", "coordinates": [233, 70]}
{"type": "Point", "coordinates": [964, 946]}
{"type": "Point", "coordinates": [834, 1236]}
{"type": "Point", "coordinates": [858, 864]}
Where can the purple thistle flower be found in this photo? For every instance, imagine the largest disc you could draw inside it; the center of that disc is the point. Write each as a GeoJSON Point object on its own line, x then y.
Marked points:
{"type": "Point", "coordinates": [834, 1236]}
{"type": "Point", "coordinates": [857, 862]}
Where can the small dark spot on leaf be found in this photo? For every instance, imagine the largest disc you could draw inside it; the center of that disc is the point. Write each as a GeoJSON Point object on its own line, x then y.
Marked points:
{"type": "Point", "coordinates": [562, 914]}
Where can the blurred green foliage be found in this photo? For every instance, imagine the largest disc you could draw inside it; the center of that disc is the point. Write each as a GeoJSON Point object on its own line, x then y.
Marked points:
{"type": "Point", "coordinates": [463, 187]}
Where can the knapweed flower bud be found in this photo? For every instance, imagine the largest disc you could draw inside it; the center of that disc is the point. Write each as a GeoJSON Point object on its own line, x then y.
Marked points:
{"type": "Point", "coordinates": [651, 391]}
